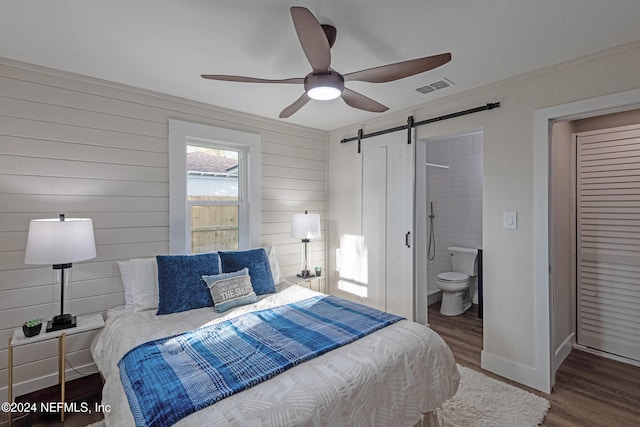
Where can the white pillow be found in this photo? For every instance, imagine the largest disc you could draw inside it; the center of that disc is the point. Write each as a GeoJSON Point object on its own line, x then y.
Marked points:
{"type": "Point", "coordinates": [140, 280]}
{"type": "Point", "coordinates": [127, 281]}
{"type": "Point", "coordinates": [273, 264]}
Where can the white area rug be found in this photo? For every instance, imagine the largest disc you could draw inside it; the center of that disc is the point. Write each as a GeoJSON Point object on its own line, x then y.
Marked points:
{"type": "Point", "coordinates": [483, 401]}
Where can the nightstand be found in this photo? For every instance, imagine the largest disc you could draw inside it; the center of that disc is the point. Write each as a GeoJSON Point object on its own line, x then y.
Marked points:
{"type": "Point", "coordinates": [85, 323]}
{"type": "Point", "coordinates": [315, 283]}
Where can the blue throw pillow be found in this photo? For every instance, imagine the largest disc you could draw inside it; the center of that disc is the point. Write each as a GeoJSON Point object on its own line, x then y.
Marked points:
{"type": "Point", "coordinates": [180, 285]}
{"type": "Point", "coordinates": [257, 261]}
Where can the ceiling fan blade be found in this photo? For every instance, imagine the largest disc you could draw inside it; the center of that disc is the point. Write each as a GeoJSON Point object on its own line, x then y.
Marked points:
{"type": "Point", "coordinates": [399, 70]}
{"type": "Point", "coordinates": [312, 38]}
{"type": "Point", "coordinates": [298, 104]}
{"type": "Point", "coordinates": [331, 33]}
{"type": "Point", "coordinates": [357, 100]}
{"type": "Point", "coordinates": [250, 79]}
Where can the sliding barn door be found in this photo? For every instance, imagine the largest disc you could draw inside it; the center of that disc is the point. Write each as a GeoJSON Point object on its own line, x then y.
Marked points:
{"type": "Point", "coordinates": [608, 240]}
{"type": "Point", "coordinates": [387, 222]}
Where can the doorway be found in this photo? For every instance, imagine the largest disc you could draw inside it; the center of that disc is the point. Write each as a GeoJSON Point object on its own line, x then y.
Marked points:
{"type": "Point", "coordinates": [595, 244]}
{"type": "Point", "coordinates": [449, 181]}
{"type": "Point", "coordinates": [547, 354]}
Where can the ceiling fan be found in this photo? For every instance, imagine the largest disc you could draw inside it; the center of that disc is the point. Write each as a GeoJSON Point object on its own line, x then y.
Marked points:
{"type": "Point", "coordinates": [324, 83]}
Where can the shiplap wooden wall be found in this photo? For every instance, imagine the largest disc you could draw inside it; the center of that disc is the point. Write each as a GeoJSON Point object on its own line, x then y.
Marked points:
{"type": "Point", "coordinates": [89, 148]}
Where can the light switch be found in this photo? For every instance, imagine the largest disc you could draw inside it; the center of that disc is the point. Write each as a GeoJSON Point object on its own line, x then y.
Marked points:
{"type": "Point", "coordinates": [510, 220]}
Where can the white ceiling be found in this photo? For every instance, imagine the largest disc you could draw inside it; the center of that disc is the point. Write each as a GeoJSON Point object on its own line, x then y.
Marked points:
{"type": "Point", "coordinates": [164, 45]}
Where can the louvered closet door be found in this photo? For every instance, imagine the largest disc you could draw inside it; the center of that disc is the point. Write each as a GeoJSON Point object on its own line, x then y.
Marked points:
{"type": "Point", "coordinates": [608, 240]}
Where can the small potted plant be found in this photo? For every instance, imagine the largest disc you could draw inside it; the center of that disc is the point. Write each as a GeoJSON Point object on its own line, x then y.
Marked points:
{"type": "Point", "coordinates": [318, 271]}
{"type": "Point", "coordinates": [32, 327]}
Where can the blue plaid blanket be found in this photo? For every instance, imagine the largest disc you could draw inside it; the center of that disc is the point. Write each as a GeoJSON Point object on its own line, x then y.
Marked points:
{"type": "Point", "coordinates": [170, 378]}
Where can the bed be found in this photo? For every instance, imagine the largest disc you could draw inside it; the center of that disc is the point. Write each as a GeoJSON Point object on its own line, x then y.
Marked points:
{"type": "Point", "coordinates": [396, 375]}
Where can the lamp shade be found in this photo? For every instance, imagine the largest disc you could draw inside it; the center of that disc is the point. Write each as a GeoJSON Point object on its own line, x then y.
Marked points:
{"type": "Point", "coordinates": [305, 226]}
{"type": "Point", "coordinates": [52, 241]}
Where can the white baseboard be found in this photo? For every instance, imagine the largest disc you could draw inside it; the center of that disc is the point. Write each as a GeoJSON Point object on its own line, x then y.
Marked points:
{"type": "Point", "coordinates": [46, 381]}
{"type": "Point", "coordinates": [522, 374]}
{"type": "Point", "coordinates": [562, 352]}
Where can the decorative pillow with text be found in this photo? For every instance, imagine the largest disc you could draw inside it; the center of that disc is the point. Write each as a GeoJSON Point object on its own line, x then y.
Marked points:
{"type": "Point", "coordinates": [230, 290]}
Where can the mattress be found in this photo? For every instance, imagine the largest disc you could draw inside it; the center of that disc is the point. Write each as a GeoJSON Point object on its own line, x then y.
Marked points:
{"type": "Point", "coordinates": [388, 378]}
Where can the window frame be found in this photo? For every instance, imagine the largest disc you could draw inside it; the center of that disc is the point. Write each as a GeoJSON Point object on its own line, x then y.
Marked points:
{"type": "Point", "coordinates": [183, 133]}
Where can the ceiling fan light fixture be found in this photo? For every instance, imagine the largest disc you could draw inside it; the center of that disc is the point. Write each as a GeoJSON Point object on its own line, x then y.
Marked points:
{"type": "Point", "coordinates": [324, 93]}
{"type": "Point", "coordinates": [324, 86]}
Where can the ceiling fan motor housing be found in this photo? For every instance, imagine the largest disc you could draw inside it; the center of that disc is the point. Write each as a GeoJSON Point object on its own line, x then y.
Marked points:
{"type": "Point", "coordinates": [324, 86]}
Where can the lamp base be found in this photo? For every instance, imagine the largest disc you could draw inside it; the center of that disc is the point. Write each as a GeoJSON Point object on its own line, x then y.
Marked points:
{"type": "Point", "coordinates": [62, 321]}
{"type": "Point", "coordinates": [304, 274]}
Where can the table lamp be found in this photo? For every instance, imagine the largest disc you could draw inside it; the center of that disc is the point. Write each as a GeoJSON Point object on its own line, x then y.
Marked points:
{"type": "Point", "coordinates": [60, 242]}
{"type": "Point", "coordinates": [305, 226]}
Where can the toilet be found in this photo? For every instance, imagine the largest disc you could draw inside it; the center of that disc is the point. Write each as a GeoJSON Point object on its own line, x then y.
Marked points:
{"type": "Point", "coordinates": [456, 298]}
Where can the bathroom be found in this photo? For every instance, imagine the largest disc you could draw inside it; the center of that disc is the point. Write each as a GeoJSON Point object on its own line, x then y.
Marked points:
{"type": "Point", "coordinates": [449, 181]}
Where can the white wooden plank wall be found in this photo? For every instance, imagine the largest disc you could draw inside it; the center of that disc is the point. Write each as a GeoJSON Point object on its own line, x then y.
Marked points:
{"type": "Point", "coordinates": [85, 147]}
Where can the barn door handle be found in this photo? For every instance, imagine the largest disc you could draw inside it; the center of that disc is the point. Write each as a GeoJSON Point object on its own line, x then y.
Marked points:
{"type": "Point", "coordinates": [406, 239]}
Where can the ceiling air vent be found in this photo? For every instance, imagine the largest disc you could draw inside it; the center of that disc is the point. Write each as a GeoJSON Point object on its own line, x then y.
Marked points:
{"type": "Point", "coordinates": [440, 84]}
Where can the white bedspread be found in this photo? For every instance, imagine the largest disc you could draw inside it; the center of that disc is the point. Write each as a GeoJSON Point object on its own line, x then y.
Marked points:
{"type": "Point", "coordinates": [388, 378]}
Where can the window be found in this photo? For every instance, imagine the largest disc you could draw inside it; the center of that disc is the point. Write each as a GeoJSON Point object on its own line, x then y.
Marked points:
{"type": "Point", "coordinates": [214, 198]}
{"type": "Point", "coordinates": [214, 188]}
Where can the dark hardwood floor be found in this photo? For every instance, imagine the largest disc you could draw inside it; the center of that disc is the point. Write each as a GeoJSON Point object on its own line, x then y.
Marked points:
{"type": "Point", "coordinates": [589, 391]}
{"type": "Point", "coordinates": [83, 391]}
